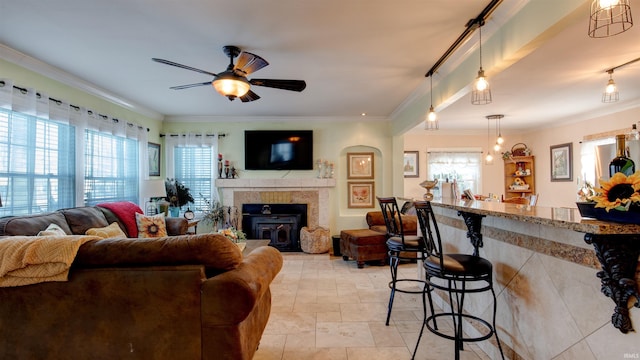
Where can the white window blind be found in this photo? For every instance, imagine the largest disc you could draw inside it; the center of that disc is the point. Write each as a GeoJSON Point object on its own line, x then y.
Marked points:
{"type": "Point", "coordinates": [37, 167]}
{"type": "Point", "coordinates": [464, 166]}
{"type": "Point", "coordinates": [193, 166]}
{"type": "Point", "coordinates": [111, 168]}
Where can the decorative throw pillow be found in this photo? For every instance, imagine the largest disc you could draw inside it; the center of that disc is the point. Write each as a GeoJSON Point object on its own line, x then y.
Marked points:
{"type": "Point", "coordinates": [151, 226]}
{"type": "Point", "coordinates": [111, 231]}
{"type": "Point", "coordinates": [52, 230]}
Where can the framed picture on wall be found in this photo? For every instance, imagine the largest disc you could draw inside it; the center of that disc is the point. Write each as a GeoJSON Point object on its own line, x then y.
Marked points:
{"type": "Point", "coordinates": [562, 162]}
{"type": "Point", "coordinates": [360, 165]}
{"type": "Point", "coordinates": [361, 194]}
{"type": "Point", "coordinates": [411, 165]}
{"type": "Point", "coordinates": [154, 159]}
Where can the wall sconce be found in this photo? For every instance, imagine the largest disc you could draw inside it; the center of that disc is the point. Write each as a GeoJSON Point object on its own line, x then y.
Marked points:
{"type": "Point", "coordinates": [609, 17]}
{"type": "Point", "coordinates": [481, 92]}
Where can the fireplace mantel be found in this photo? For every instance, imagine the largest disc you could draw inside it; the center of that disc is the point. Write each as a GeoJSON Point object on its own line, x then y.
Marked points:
{"type": "Point", "coordinates": [276, 183]}
{"type": "Point", "coordinates": [311, 191]}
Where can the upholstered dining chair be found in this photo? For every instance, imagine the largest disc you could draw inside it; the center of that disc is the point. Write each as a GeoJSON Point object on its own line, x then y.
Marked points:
{"type": "Point", "coordinates": [399, 245]}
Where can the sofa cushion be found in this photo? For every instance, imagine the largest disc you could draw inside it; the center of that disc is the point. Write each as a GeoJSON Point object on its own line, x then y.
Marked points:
{"type": "Point", "coordinates": [31, 225]}
{"type": "Point", "coordinates": [81, 219]}
{"type": "Point", "coordinates": [151, 226]}
{"type": "Point", "coordinates": [111, 231]}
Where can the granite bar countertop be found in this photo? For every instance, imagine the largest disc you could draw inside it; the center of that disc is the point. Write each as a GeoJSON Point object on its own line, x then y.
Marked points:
{"type": "Point", "coordinates": [568, 218]}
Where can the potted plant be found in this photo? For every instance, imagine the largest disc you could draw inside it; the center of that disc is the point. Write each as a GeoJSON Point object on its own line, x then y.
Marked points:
{"type": "Point", "coordinates": [213, 212]}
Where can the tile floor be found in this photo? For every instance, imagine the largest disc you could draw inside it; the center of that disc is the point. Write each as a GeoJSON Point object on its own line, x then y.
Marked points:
{"type": "Point", "coordinates": [327, 308]}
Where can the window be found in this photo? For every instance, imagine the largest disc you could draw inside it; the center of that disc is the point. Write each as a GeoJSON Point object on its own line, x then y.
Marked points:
{"type": "Point", "coordinates": [193, 166]}
{"type": "Point", "coordinates": [111, 168]}
{"type": "Point", "coordinates": [37, 167]}
{"type": "Point", "coordinates": [463, 166]}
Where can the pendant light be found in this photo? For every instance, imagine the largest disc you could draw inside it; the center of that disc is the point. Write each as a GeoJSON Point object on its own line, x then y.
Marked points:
{"type": "Point", "coordinates": [609, 18]}
{"type": "Point", "coordinates": [481, 92]}
{"type": "Point", "coordinates": [488, 160]}
{"type": "Point", "coordinates": [610, 93]}
{"type": "Point", "coordinates": [499, 139]}
{"type": "Point", "coordinates": [431, 123]}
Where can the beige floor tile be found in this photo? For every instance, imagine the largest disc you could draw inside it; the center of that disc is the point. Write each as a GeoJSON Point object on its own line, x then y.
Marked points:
{"type": "Point", "coordinates": [343, 334]}
{"type": "Point", "coordinates": [327, 308]}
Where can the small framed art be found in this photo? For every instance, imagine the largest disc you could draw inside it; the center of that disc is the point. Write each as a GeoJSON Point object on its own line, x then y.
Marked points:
{"type": "Point", "coordinates": [411, 165]}
{"type": "Point", "coordinates": [154, 159]}
{"type": "Point", "coordinates": [361, 194]}
{"type": "Point", "coordinates": [360, 165]}
{"type": "Point", "coordinates": [561, 162]}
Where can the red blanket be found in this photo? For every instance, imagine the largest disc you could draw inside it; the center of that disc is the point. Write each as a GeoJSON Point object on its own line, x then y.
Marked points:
{"type": "Point", "coordinates": [126, 212]}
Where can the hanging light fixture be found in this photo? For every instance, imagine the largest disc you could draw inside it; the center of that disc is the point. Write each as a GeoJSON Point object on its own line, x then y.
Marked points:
{"type": "Point", "coordinates": [499, 139]}
{"type": "Point", "coordinates": [610, 93]}
{"type": "Point", "coordinates": [609, 17]}
{"type": "Point", "coordinates": [488, 160]}
{"type": "Point", "coordinates": [481, 92]}
{"type": "Point", "coordinates": [431, 123]}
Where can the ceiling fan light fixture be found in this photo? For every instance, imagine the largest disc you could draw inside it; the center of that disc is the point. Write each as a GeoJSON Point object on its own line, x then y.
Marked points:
{"type": "Point", "coordinates": [231, 85]}
{"type": "Point", "coordinates": [609, 18]}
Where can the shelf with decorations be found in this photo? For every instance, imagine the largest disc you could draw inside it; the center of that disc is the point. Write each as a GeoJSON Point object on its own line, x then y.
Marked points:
{"type": "Point", "coordinates": [519, 179]}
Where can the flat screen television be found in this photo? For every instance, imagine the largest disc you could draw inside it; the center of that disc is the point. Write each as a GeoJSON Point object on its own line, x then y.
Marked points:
{"type": "Point", "coordinates": [278, 149]}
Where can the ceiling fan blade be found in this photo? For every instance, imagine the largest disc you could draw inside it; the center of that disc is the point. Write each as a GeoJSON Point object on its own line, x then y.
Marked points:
{"type": "Point", "coordinates": [292, 85]}
{"type": "Point", "coordinates": [180, 87]}
{"type": "Point", "coordinates": [249, 63]}
{"type": "Point", "coordinates": [249, 96]}
{"type": "Point", "coordinates": [167, 62]}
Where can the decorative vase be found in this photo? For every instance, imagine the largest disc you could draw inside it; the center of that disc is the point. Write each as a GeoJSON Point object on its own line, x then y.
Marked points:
{"type": "Point", "coordinates": [174, 211]}
{"type": "Point", "coordinates": [163, 207]}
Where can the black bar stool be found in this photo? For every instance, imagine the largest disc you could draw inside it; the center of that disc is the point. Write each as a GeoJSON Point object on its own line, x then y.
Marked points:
{"type": "Point", "coordinates": [453, 273]}
{"type": "Point", "coordinates": [397, 243]}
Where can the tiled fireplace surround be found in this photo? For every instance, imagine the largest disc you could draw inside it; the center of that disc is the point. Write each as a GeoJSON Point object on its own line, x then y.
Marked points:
{"type": "Point", "coordinates": [310, 191]}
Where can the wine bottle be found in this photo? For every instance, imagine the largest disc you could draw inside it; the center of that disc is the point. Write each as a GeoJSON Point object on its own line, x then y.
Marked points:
{"type": "Point", "coordinates": [621, 163]}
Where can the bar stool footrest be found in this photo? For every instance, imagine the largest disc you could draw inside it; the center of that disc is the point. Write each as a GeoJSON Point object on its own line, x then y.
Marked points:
{"type": "Point", "coordinates": [431, 320]}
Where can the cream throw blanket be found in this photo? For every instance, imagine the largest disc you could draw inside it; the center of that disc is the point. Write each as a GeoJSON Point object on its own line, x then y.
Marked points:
{"type": "Point", "coordinates": [26, 260]}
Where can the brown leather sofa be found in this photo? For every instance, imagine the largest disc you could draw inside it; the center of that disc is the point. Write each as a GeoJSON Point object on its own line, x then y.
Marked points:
{"type": "Point", "coordinates": [369, 245]}
{"type": "Point", "coordinates": [176, 297]}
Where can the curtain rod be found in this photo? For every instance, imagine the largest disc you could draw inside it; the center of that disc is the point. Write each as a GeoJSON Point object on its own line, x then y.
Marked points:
{"type": "Point", "coordinates": [470, 28]}
{"type": "Point", "coordinates": [24, 91]}
{"type": "Point", "coordinates": [196, 135]}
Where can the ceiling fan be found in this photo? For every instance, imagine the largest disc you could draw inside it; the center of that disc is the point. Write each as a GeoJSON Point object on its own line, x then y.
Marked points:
{"type": "Point", "coordinates": [233, 82]}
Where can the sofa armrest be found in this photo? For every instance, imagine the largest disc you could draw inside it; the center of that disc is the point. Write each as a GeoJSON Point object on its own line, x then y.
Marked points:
{"type": "Point", "coordinates": [242, 287]}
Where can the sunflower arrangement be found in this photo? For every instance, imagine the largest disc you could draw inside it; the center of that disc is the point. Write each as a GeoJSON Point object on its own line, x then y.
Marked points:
{"type": "Point", "coordinates": [619, 193]}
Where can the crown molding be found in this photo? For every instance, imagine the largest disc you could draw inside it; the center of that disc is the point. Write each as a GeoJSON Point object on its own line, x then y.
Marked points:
{"type": "Point", "coordinates": [54, 73]}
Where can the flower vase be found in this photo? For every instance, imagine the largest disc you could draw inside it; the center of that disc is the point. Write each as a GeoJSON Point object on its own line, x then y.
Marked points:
{"type": "Point", "coordinates": [174, 211]}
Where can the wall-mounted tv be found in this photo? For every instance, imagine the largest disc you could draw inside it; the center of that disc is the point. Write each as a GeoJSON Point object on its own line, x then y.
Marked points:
{"type": "Point", "coordinates": [278, 149]}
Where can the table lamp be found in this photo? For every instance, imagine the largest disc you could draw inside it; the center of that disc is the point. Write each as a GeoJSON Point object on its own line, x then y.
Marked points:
{"type": "Point", "coordinates": [154, 190]}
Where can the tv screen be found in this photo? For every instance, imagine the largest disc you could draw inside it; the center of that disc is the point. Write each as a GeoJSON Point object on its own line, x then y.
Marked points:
{"type": "Point", "coordinates": [278, 149]}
